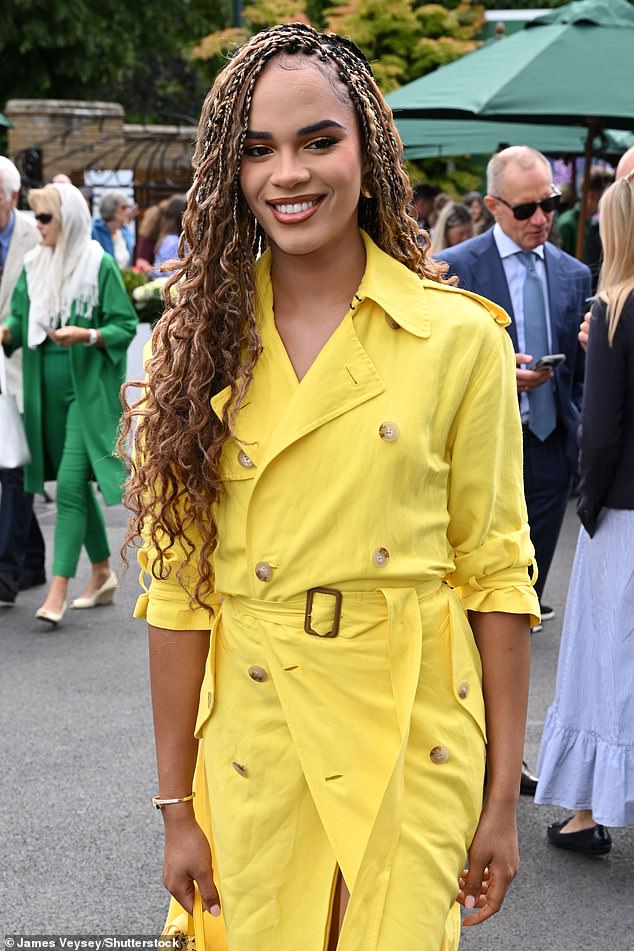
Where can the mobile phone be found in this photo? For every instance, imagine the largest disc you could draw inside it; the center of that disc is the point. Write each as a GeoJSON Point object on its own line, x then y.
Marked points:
{"type": "Point", "coordinates": [548, 362]}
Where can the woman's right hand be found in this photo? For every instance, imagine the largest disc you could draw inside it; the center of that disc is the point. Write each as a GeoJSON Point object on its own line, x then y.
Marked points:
{"type": "Point", "coordinates": [5, 334]}
{"type": "Point", "coordinates": [584, 330]}
{"type": "Point", "coordinates": [188, 859]}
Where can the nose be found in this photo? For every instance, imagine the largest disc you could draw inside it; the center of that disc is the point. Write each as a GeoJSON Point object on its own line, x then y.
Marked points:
{"type": "Point", "coordinates": [289, 169]}
{"type": "Point", "coordinates": [539, 218]}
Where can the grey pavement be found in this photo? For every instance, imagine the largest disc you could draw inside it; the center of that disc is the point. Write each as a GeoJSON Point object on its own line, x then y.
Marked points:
{"type": "Point", "coordinates": [80, 848]}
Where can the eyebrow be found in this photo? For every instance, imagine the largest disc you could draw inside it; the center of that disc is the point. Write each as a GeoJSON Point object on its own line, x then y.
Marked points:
{"type": "Point", "coordinates": [306, 130]}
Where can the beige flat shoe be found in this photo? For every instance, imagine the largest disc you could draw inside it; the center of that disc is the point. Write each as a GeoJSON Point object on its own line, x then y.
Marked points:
{"type": "Point", "coordinates": [51, 617]}
{"type": "Point", "coordinates": [103, 595]}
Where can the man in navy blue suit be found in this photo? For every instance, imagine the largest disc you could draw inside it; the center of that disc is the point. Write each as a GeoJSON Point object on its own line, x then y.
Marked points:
{"type": "Point", "coordinates": [544, 291]}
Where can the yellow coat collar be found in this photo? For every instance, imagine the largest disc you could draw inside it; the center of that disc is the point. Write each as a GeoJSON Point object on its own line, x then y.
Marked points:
{"type": "Point", "coordinates": [391, 285]}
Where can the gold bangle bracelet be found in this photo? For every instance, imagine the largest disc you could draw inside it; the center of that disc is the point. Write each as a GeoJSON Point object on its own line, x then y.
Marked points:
{"type": "Point", "coordinates": [160, 803]}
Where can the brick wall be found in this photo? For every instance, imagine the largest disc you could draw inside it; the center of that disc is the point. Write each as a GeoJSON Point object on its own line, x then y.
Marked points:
{"type": "Point", "coordinates": [72, 136]}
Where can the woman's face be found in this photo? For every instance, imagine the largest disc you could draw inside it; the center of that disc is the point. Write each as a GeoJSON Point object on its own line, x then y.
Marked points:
{"type": "Point", "coordinates": [49, 230]}
{"type": "Point", "coordinates": [458, 234]}
{"type": "Point", "coordinates": [475, 208]}
{"type": "Point", "coordinates": [301, 169]}
{"type": "Point", "coordinates": [122, 214]}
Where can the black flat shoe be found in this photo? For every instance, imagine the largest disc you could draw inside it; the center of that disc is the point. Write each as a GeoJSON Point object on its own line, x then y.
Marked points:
{"type": "Point", "coordinates": [7, 589]}
{"type": "Point", "coordinates": [528, 782]}
{"type": "Point", "coordinates": [594, 841]}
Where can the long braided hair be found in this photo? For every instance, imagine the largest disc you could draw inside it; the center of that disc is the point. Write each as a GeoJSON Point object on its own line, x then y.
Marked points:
{"type": "Point", "coordinates": [208, 338]}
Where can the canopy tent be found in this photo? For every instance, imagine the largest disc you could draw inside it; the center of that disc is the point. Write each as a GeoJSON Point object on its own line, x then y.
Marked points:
{"type": "Point", "coordinates": [570, 66]}
{"type": "Point", "coordinates": [437, 138]}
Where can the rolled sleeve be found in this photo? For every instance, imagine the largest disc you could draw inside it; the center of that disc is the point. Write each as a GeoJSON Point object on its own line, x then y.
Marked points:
{"type": "Point", "coordinates": [166, 602]}
{"type": "Point", "coordinates": [488, 527]}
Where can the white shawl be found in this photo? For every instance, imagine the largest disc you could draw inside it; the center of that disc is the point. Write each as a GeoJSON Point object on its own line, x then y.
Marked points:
{"type": "Point", "coordinates": [67, 274]}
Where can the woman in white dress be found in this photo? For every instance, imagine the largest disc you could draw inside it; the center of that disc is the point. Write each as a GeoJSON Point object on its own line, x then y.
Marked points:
{"type": "Point", "coordinates": [587, 754]}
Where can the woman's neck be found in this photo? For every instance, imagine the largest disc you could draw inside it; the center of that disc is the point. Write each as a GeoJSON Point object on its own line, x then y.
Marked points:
{"type": "Point", "coordinates": [113, 227]}
{"type": "Point", "coordinates": [305, 284]}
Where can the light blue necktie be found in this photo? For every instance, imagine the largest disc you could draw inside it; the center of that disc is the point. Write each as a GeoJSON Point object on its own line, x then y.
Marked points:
{"type": "Point", "coordinates": [542, 415]}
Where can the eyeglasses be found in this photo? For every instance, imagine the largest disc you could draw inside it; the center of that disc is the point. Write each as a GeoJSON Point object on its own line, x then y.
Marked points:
{"type": "Point", "coordinates": [527, 209]}
{"type": "Point", "coordinates": [43, 218]}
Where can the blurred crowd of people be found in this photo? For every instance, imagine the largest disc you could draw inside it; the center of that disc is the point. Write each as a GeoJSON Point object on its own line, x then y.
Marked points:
{"type": "Point", "coordinates": [66, 323]}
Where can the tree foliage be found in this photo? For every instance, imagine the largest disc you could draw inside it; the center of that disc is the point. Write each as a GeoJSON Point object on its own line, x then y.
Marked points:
{"type": "Point", "coordinates": [402, 39]}
{"type": "Point", "coordinates": [83, 49]}
{"type": "Point", "coordinates": [158, 62]}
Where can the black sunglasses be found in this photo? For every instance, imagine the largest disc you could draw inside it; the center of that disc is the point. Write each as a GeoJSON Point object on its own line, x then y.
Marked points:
{"type": "Point", "coordinates": [528, 208]}
{"type": "Point", "coordinates": [43, 218]}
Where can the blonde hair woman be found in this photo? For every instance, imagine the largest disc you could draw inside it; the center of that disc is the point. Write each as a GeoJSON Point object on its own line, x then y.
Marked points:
{"type": "Point", "coordinates": [454, 226]}
{"type": "Point", "coordinates": [72, 317]}
{"type": "Point", "coordinates": [587, 759]}
{"type": "Point", "coordinates": [315, 437]}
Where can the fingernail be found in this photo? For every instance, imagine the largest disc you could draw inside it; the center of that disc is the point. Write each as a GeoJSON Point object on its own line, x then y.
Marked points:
{"type": "Point", "coordinates": [469, 901]}
{"type": "Point", "coordinates": [215, 911]}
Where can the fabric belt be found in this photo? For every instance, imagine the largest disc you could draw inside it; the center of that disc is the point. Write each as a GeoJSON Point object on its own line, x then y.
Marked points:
{"type": "Point", "coordinates": [322, 610]}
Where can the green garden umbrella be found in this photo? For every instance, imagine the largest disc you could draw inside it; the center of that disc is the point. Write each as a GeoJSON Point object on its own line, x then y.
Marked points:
{"type": "Point", "coordinates": [437, 138]}
{"type": "Point", "coordinates": [571, 66]}
{"type": "Point", "coordinates": [5, 122]}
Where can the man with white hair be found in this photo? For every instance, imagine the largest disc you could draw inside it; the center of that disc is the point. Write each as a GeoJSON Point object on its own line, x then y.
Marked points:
{"type": "Point", "coordinates": [21, 542]}
{"type": "Point", "coordinates": [544, 291]}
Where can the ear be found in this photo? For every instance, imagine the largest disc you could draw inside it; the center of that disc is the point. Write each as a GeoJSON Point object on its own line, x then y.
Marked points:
{"type": "Point", "coordinates": [491, 204]}
{"type": "Point", "coordinates": [366, 183]}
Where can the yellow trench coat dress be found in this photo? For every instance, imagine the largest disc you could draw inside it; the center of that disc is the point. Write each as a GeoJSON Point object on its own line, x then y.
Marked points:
{"type": "Point", "coordinates": [377, 500]}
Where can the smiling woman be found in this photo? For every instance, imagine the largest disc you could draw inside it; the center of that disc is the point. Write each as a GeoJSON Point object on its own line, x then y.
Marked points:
{"type": "Point", "coordinates": [313, 461]}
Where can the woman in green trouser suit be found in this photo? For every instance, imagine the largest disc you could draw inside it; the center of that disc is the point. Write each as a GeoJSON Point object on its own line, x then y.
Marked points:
{"type": "Point", "coordinates": [71, 314]}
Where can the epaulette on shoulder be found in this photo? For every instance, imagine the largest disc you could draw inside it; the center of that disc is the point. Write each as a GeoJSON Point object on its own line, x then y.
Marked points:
{"type": "Point", "coordinates": [498, 313]}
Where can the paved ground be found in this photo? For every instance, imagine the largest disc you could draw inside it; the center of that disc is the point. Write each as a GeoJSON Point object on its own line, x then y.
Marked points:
{"type": "Point", "coordinates": [81, 846]}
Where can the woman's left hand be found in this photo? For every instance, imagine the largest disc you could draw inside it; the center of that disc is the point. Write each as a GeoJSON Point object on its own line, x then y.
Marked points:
{"type": "Point", "coordinates": [68, 336]}
{"type": "Point", "coordinates": [493, 863]}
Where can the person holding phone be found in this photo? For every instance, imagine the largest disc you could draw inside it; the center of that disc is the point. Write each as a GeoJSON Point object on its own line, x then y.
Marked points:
{"type": "Point", "coordinates": [586, 761]}
{"type": "Point", "coordinates": [543, 289]}
{"type": "Point", "coordinates": [328, 479]}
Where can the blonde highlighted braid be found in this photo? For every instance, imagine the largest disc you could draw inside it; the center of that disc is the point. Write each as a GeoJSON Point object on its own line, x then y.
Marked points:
{"type": "Point", "coordinates": [208, 338]}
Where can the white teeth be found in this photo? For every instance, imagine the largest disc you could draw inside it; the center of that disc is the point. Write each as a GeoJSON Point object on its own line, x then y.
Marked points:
{"type": "Point", "coordinates": [296, 208]}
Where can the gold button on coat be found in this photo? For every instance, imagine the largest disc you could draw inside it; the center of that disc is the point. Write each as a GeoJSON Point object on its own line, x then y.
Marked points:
{"type": "Point", "coordinates": [439, 755]}
{"type": "Point", "coordinates": [380, 557]}
{"type": "Point", "coordinates": [263, 571]}
{"type": "Point", "coordinates": [258, 674]}
{"type": "Point", "coordinates": [244, 460]}
{"type": "Point", "coordinates": [389, 432]}
{"type": "Point", "coordinates": [463, 690]}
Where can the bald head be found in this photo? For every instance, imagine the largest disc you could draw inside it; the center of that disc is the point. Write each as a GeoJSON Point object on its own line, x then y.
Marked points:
{"type": "Point", "coordinates": [523, 157]}
{"type": "Point", "coordinates": [626, 165]}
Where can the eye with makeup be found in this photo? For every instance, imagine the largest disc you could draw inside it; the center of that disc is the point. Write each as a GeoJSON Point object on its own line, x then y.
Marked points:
{"type": "Point", "coordinates": [323, 143]}
{"type": "Point", "coordinates": [256, 151]}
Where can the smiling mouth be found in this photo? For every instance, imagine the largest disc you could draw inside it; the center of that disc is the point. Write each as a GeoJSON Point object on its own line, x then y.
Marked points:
{"type": "Point", "coordinates": [297, 210]}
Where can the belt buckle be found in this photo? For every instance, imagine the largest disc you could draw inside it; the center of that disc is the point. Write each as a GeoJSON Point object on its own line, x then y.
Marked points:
{"type": "Point", "coordinates": [310, 594]}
